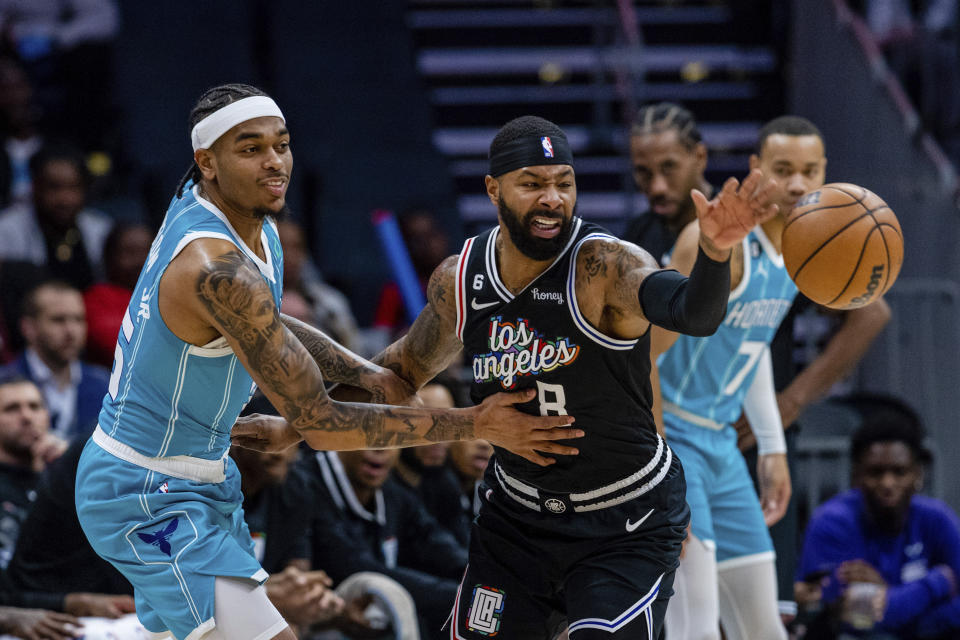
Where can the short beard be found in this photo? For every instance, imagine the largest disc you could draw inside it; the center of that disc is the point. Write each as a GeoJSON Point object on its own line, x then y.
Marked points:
{"type": "Point", "coordinates": [539, 249]}
{"type": "Point", "coordinates": [262, 213]}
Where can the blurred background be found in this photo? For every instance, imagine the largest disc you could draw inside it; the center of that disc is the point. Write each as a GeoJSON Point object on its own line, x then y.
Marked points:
{"type": "Point", "coordinates": [392, 106]}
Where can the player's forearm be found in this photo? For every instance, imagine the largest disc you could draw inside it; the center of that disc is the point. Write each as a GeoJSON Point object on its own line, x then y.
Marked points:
{"type": "Point", "coordinates": [841, 354]}
{"type": "Point", "coordinates": [346, 426]}
{"type": "Point", "coordinates": [336, 362]}
{"type": "Point", "coordinates": [695, 305]}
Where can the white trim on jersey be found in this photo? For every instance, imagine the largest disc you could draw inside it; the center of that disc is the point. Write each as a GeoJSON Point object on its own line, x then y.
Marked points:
{"type": "Point", "coordinates": [582, 323]}
{"type": "Point", "coordinates": [768, 248]}
{"type": "Point", "coordinates": [183, 467]}
{"type": "Point", "coordinates": [745, 278]}
{"type": "Point", "coordinates": [461, 287]}
{"type": "Point", "coordinates": [266, 268]}
{"type": "Point", "coordinates": [175, 400]}
{"type": "Point", "coordinates": [612, 626]}
{"type": "Point", "coordinates": [491, 261]}
{"type": "Point", "coordinates": [223, 405]}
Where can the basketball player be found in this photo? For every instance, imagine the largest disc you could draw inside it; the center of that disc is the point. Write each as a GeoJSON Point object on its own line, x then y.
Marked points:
{"type": "Point", "coordinates": [728, 569]}
{"type": "Point", "coordinates": [157, 495]}
{"type": "Point", "coordinates": [669, 160]}
{"type": "Point", "coordinates": [547, 301]}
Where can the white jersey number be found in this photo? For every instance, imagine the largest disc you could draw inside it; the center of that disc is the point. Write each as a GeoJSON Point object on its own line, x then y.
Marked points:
{"type": "Point", "coordinates": [126, 332]}
{"type": "Point", "coordinates": [753, 349]}
{"type": "Point", "coordinates": [555, 402]}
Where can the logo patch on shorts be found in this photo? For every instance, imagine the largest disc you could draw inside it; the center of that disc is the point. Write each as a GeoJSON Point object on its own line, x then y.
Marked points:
{"type": "Point", "coordinates": [554, 505]}
{"type": "Point", "coordinates": [159, 538]}
{"type": "Point", "coordinates": [163, 488]}
{"type": "Point", "coordinates": [484, 614]}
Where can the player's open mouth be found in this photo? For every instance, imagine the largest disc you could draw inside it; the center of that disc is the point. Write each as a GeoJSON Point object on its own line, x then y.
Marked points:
{"type": "Point", "coordinates": [543, 227]}
{"type": "Point", "coordinates": [276, 186]}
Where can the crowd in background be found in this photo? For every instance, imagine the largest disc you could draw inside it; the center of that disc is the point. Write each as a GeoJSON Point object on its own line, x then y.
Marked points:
{"type": "Point", "coordinates": [327, 525]}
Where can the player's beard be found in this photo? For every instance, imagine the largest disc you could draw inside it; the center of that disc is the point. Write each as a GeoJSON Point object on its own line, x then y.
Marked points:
{"type": "Point", "coordinates": [261, 213]}
{"type": "Point", "coordinates": [529, 245]}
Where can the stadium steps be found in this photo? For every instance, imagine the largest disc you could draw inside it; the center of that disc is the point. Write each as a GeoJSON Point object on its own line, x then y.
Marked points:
{"type": "Point", "coordinates": [483, 62]}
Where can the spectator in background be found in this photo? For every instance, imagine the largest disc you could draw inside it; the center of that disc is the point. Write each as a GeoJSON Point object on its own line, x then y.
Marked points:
{"type": "Point", "coordinates": [38, 623]}
{"type": "Point", "coordinates": [275, 510]}
{"type": "Point", "coordinates": [428, 245]}
{"type": "Point", "coordinates": [54, 327]}
{"type": "Point", "coordinates": [66, 46]}
{"type": "Point", "coordinates": [19, 133]}
{"type": "Point", "coordinates": [124, 253]}
{"type": "Point", "coordinates": [306, 296]}
{"type": "Point", "coordinates": [881, 560]}
{"type": "Point", "coordinates": [424, 470]}
{"type": "Point", "coordinates": [468, 460]}
{"type": "Point", "coordinates": [279, 511]}
{"type": "Point", "coordinates": [669, 159]}
{"type": "Point", "coordinates": [26, 446]}
{"type": "Point", "coordinates": [57, 230]}
{"type": "Point", "coordinates": [366, 521]}
{"type": "Point", "coordinates": [53, 565]}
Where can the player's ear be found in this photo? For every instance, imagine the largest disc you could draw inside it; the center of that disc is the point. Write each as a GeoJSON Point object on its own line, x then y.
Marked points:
{"type": "Point", "coordinates": [700, 153]}
{"type": "Point", "coordinates": [754, 161]}
{"type": "Point", "coordinates": [493, 189]}
{"type": "Point", "coordinates": [207, 163]}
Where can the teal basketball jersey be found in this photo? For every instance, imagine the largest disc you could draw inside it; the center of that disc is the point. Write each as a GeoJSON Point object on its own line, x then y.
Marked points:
{"type": "Point", "coordinates": [704, 380]}
{"type": "Point", "coordinates": [167, 397]}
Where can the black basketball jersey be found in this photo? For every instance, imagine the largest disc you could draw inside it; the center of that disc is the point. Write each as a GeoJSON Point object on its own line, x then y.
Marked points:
{"type": "Point", "coordinates": [538, 338]}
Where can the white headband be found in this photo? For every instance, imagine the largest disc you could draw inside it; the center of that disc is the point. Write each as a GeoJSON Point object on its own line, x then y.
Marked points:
{"type": "Point", "coordinates": [206, 132]}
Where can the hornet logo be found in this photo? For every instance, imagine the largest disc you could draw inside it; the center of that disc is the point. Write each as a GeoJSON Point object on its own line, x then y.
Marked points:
{"type": "Point", "coordinates": [159, 538]}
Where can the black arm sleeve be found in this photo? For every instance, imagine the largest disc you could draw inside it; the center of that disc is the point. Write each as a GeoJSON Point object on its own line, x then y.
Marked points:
{"type": "Point", "coordinates": [695, 305]}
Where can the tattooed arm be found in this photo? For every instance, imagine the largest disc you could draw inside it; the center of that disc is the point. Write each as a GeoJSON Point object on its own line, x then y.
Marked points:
{"type": "Point", "coordinates": [339, 364]}
{"type": "Point", "coordinates": [216, 284]}
{"type": "Point", "coordinates": [431, 344]}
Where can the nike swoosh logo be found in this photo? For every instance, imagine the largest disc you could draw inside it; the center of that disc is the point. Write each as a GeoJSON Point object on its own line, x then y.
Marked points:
{"type": "Point", "coordinates": [484, 305]}
{"type": "Point", "coordinates": [632, 526]}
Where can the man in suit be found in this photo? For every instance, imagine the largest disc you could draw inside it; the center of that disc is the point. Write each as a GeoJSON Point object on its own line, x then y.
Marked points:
{"type": "Point", "coordinates": [54, 328]}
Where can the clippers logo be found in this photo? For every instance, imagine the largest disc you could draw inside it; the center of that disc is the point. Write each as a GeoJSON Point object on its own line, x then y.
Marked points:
{"type": "Point", "coordinates": [547, 146]}
{"type": "Point", "coordinates": [517, 349]}
{"type": "Point", "coordinates": [484, 614]}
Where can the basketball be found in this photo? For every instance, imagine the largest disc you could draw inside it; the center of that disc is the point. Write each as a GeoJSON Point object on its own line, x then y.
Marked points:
{"type": "Point", "coordinates": [842, 246]}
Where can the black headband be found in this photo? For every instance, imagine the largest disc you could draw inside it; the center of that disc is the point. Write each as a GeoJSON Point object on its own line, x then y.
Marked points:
{"type": "Point", "coordinates": [530, 151]}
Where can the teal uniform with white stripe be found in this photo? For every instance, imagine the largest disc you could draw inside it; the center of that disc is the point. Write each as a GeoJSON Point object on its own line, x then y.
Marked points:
{"type": "Point", "coordinates": [157, 494]}
{"type": "Point", "coordinates": [703, 382]}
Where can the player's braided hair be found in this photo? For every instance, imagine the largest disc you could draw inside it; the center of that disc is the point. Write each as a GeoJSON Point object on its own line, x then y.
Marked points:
{"type": "Point", "coordinates": [663, 116]}
{"type": "Point", "coordinates": [522, 127]}
{"type": "Point", "coordinates": [213, 100]}
{"type": "Point", "coordinates": [788, 126]}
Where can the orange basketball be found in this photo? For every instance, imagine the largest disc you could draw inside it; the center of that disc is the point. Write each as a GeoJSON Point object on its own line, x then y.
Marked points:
{"type": "Point", "coordinates": [842, 246]}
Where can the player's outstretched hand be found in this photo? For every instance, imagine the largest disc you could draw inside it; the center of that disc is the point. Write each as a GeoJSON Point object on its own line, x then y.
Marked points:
{"type": "Point", "coordinates": [499, 423]}
{"type": "Point", "coordinates": [727, 219]}
{"type": "Point", "coordinates": [263, 433]}
{"type": "Point", "coordinates": [773, 476]}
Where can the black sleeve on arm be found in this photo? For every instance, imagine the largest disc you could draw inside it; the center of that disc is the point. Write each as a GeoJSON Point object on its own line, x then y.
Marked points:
{"type": "Point", "coordinates": [695, 305]}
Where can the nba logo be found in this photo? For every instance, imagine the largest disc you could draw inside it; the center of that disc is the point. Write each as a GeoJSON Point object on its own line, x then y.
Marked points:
{"type": "Point", "coordinates": [547, 147]}
{"type": "Point", "coordinates": [164, 488]}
